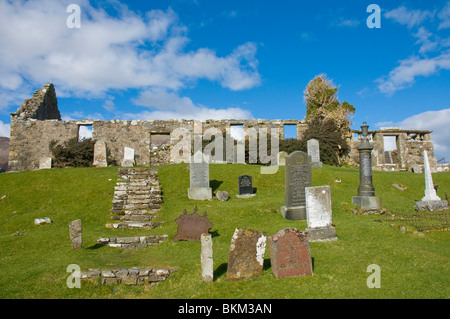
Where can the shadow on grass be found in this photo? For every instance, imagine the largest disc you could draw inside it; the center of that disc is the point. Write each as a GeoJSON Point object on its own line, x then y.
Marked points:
{"type": "Point", "coordinates": [96, 246]}
{"type": "Point", "coordinates": [214, 184]}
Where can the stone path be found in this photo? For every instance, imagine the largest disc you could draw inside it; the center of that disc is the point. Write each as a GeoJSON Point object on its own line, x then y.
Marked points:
{"type": "Point", "coordinates": [137, 199]}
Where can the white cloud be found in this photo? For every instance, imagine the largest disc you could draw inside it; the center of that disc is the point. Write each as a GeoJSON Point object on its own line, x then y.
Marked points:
{"type": "Point", "coordinates": [407, 17]}
{"type": "Point", "coordinates": [444, 16]}
{"type": "Point", "coordinates": [404, 75]}
{"type": "Point", "coordinates": [167, 105]}
{"type": "Point", "coordinates": [436, 121]}
{"type": "Point", "coordinates": [4, 129]}
{"type": "Point", "coordinates": [127, 50]}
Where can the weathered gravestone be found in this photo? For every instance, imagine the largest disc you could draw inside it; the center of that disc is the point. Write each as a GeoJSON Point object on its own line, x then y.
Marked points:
{"type": "Point", "coordinates": [223, 196]}
{"type": "Point", "coordinates": [281, 158]}
{"type": "Point", "coordinates": [207, 258]}
{"type": "Point", "coordinates": [45, 163]}
{"type": "Point", "coordinates": [318, 214]}
{"type": "Point", "coordinates": [314, 152]}
{"type": "Point", "coordinates": [289, 253]}
{"type": "Point", "coordinates": [76, 233]}
{"type": "Point", "coordinates": [430, 201]}
{"type": "Point", "coordinates": [245, 185]}
{"type": "Point", "coordinates": [297, 177]}
{"type": "Point", "coordinates": [128, 157]}
{"type": "Point", "coordinates": [192, 226]}
{"type": "Point", "coordinates": [246, 255]}
{"type": "Point", "coordinates": [199, 178]}
{"type": "Point", "coordinates": [100, 157]}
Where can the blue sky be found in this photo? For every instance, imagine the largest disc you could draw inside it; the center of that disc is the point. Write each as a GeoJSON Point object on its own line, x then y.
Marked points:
{"type": "Point", "coordinates": [230, 59]}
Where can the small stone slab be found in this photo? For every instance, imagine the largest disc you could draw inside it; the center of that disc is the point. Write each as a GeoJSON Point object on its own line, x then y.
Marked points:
{"type": "Point", "coordinates": [76, 233]}
{"type": "Point", "coordinates": [192, 226]}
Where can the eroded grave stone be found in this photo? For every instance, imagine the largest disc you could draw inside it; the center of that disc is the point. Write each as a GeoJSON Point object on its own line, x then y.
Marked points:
{"type": "Point", "coordinates": [45, 163]}
{"type": "Point", "coordinates": [314, 152]}
{"type": "Point", "coordinates": [319, 214]}
{"type": "Point", "coordinates": [297, 176]}
{"type": "Point", "coordinates": [128, 157]}
{"type": "Point", "coordinates": [289, 253]}
{"type": "Point", "coordinates": [246, 255]}
{"type": "Point", "coordinates": [76, 233]}
{"type": "Point", "coordinates": [207, 258]}
{"type": "Point", "coordinates": [192, 226]}
{"type": "Point", "coordinates": [100, 157]}
{"type": "Point", "coordinates": [281, 158]}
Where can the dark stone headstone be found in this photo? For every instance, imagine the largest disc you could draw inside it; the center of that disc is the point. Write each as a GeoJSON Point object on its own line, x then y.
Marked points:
{"type": "Point", "coordinates": [245, 184]}
{"type": "Point", "coordinates": [289, 253]}
{"type": "Point", "coordinates": [246, 255]}
{"type": "Point", "coordinates": [298, 176]}
{"type": "Point", "coordinates": [192, 226]}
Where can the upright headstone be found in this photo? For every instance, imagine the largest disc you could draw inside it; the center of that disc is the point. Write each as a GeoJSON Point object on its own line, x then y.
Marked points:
{"type": "Point", "coordinates": [128, 157]}
{"type": "Point", "coordinates": [100, 158]}
{"type": "Point", "coordinates": [297, 177]}
{"type": "Point", "coordinates": [430, 201]}
{"type": "Point", "coordinates": [76, 233]}
{"type": "Point", "coordinates": [289, 253]}
{"type": "Point", "coordinates": [314, 152]}
{"type": "Point", "coordinates": [318, 214]}
{"type": "Point", "coordinates": [281, 158]}
{"type": "Point", "coordinates": [45, 163]}
{"type": "Point", "coordinates": [366, 198]}
{"type": "Point", "coordinates": [199, 178]}
{"type": "Point", "coordinates": [245, 185]}
{"type": "Point", "coordinates": [207, 258]}
{"type": "Point", "coordinates": [246, 255]}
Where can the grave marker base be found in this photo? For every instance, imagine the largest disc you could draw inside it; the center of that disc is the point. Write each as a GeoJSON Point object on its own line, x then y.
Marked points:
{"type": "Point", "coordinates": [367, 202]}
{"type": "Point", "coordinates": [200, 193]}
{"type": "Point", "coordinates": [322, 234]}
{"type": "Point", "coordinates": [294, 213]}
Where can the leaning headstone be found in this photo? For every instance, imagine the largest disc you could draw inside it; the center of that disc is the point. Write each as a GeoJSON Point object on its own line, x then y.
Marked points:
{"type": "Point", "coordinates": [76, 233]}
{"type": "Point", "coordinates": [199, 178]}
{"type": "Point", "coordinates": [207, 258]}
{"type": "Point", "coordinates": [128, 157]}
{"type": "Point", "coordinates": [289, 253]}
{"type": "Point", "coordinates": [246, 255]}
{"type": "Point", "coordinates": [192, 226]}
{"type": "Point", "coordinates": [366, 198]}
{"type": "Point", "coordinates": [314, 152]}
{"type": "Point", "coordinates": [318, 214]}
{"type": "Point", "coordinates": [297, 176]}
{"type": "Point", "coordinates": [430, 201]}
{"type": "Point", "coordinates": [100, 158]}
{"type": "Point", "coordinates": [45, 163]}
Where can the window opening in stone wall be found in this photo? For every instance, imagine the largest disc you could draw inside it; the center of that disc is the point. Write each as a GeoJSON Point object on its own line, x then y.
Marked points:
{"type": "Point", "coordinates": [237, 132]}
{"type": "Point", "coordinates": [390, 149]}
{"type": "Point", "coordinates": [84, 132]}
{"type": "Point", "coordinates": [290, 131]}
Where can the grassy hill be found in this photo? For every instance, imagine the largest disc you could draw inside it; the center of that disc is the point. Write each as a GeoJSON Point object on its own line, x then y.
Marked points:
{"type": "Point", "coordinates": [413, 264]}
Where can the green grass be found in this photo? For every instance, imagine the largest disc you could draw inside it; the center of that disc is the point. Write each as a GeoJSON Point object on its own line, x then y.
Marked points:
{"type": "Point", "coordinates": [413, 264]}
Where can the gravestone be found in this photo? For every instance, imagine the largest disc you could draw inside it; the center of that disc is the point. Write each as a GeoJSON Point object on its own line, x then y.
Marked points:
{"type": "Point", "coordinates": [297, 177]}
{"type": "Point", "coordinates": [223, 196]}
{"type": "Point", "coordinates": [245, 185]}
{"type": "Point", "coordinates": [318, 214]}
{"type": "Point", "coordinates": [207, 258]}
{"type": "Point", "coordinates": [199, 178]}
{"type": "Point", "coordinates": [100, 158]}
{"type": "Point", "coordinates": [192, 226]}
{"type": "Point", "coordinates": [128, 157]}
{"type": "Point", "coordinates": [289, 253]}
{"type": "Point", "coordinates": [76, 233]}
{"type": "Point", "coordinates": [314, 152]}
{"type": "Point", "coordinates": [430, 201]}
{"type": "Point", "coordinates": [281, 158]}
{"type": "Point", "coordinates": [45, 163]}
{"type": "Point", "coordinates": [246, 255]}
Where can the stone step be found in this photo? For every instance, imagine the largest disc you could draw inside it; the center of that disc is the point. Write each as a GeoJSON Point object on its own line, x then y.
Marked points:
{"type": "Point", "coordinates": [133, 218]}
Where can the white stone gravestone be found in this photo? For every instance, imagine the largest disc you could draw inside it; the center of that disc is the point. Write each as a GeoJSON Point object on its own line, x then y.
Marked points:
{"type": "Point", "coordinates": [128, 157]}
{"type": "Point", "coordinates": [319, 214]}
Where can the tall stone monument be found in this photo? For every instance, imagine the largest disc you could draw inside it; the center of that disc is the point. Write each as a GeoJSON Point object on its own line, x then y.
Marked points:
{"type": "Point", "coordinates": [100, 157]}
{"type": "Point", "coordinates": [76, 233]}
{"type": "Point", "coordinates": [366, 198]}
{"type": "Point", "coordinates": [314, 152]}
{"type": "Point", "coordinates": [318, 214]}
{"type": "Point", "coordinates": [199, 178]}
{"type": "Point", "coordinates": [297, 177]}
{"type": "Point", "coordinates": [430, 201]}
